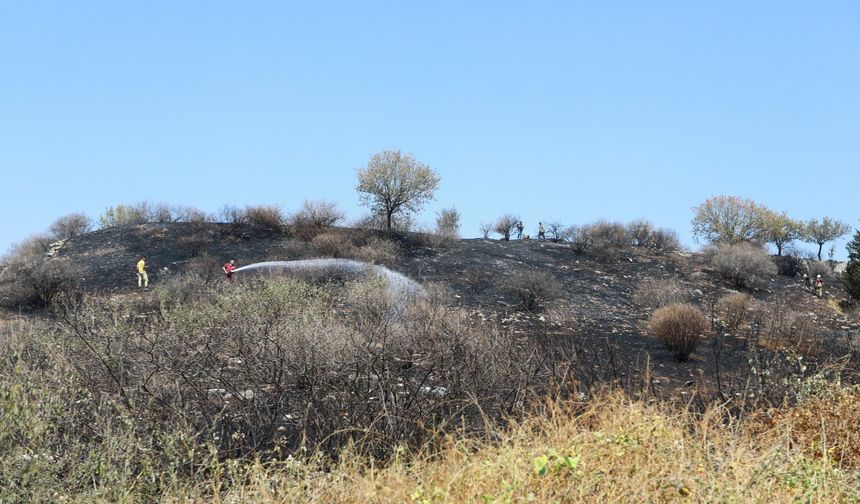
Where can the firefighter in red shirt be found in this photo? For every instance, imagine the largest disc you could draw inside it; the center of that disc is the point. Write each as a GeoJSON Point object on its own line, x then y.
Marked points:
{"type": "Point", "coordinates": [228, 269]}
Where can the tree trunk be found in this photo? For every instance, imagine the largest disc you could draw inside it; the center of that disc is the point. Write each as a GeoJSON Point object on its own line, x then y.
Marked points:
{"type": "Point", "coordinates": [820, 246]}
{"type": "Point", "coordinates": [388, 222]}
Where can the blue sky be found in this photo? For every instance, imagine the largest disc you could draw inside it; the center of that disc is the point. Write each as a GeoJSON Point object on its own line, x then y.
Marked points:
{"type": "Point", "coordinates": [569, 111]}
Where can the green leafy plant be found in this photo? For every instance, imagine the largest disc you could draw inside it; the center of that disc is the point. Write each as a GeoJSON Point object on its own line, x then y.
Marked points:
{"type": "Point", "coordinates": [554, 462]}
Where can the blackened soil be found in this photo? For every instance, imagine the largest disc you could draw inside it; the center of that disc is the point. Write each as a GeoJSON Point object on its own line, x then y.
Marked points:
{"type": "Point", "coordinates": [593, 318]}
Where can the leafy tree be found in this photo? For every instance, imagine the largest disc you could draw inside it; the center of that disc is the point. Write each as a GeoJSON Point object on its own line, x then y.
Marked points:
{"type": "Point", "coordinates": [821, 232]}
{"type": "Point", "coordinates": [851, 276]}
{"type": "Point", "coordinates": [729, 219]}
{"type": "Point", "coordinates": [780, 229]}
{"type": "Point", "coordinates": [394, 182]}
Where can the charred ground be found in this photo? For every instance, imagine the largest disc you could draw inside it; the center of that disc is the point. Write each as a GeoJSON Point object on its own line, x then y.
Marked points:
{"type": "Point", "coordinates": [592, 317]}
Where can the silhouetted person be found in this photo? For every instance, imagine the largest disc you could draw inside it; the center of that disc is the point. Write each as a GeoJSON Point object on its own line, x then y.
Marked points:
{"type": "Point", "coordinates": [142, 277]}
{"type": "Point", "coordinates": [541, 231]}
{"type": "Point", "coordinates": [228, 269]}
{"type": "Point", "coordinates": [520, 230]}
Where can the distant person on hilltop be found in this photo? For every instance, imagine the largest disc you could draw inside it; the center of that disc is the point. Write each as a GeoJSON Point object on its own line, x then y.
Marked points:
{"type": "Point", "coordinates": [819, 286]}
{"type": "Point", "coordinates": [142, 277]}
{"type": "Point", "coordinates": [541, 231]}
{"type": "Point", "coordinates": [520, 230]}
{"type": "Point", "coordinates": [228, 269]}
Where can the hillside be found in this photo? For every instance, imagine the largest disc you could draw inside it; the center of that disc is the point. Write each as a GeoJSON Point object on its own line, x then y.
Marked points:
{"type": "Point", "coordinates": [593, 317]}
{"type": "Point", "coordinates": [319, 388]}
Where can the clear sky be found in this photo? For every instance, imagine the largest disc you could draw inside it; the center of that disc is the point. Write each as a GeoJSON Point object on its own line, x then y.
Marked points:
{"type": "Point", "coordinates": [569, 111]}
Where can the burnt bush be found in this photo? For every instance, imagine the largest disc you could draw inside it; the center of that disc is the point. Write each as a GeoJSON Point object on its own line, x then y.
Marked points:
{"type": "Point", "coordinates": [35, 283]}
{"type": "Point", "coordinates": [640, 232]}
{"type": "Point", "coordinates": [271, 367]}
{"type": "Point", "coordinates": [70, 226]}
{"type": "Point", "coordinates": [743, 264]}
{"type": "Point", "coordinates": [532, 289]}
{"type": "Point", "coordinates": [400, 223]}
{"type": "Point", "coordinates": [659, 292]}
{"type": "Point", "coordinates": [30, 277]}
{"type": "Point", "coordinates": [266, 218]}
{"type": "Point", "coordinates": [664, 241]}
{"type": "Point", "coordinates": [606, 239]}
{"type": "Point", "coordinates": [788, 265]}
{"type": "Point", "coordinates": [680, 328]}
{"type": "Point", "coordinates": [378, 251]}
{"type": "Point", "coordinates": [815, 268]}
{"type": "Point", "coordinates": [734, 309]}
{"type": "Point", "coordinates": [505, 225]}
{"type": "Point", "coordinates": [334, 244]}
{"type": "Point", "coordinates": [313, 218]}
{"type": "Point", "coordinates": [477, 280]}
{"type": "Point", "coordinates": [555, 231]}
{"type": "Point", "coordinates": [601, 240]}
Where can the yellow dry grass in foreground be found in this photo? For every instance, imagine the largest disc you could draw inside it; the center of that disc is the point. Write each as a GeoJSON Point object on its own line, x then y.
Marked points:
{"type": "Point", "coordinates": [614, 451]}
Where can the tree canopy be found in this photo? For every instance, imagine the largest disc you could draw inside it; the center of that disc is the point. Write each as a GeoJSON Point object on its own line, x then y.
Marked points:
{"type": "Point", "coordinates": [394, 182]}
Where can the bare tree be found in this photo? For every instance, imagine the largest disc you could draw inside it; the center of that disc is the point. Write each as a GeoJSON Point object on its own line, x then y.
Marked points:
{"type": "Point", "coordinates": [71, 225]}
{"type": "Point", "coordinates": [505, 225]}
{"type": "Point", "coordinates": [486, 229]}
{"type": "Point", "coordinates": [394, 182]}
{"type": "Point", "coordinates": [555, 229]}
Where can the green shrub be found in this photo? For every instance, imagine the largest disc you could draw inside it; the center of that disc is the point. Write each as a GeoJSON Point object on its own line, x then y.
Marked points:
{"type": "Point", "coordinates": [448, 223]}
{"type": "Point", "coordinates": [851, 276]}
{"type": "Point", "coordinates": [122, 215]}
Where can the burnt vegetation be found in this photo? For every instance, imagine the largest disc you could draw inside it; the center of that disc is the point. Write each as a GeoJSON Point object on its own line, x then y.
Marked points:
{"type": "Point", "coordinates": [197, 371]}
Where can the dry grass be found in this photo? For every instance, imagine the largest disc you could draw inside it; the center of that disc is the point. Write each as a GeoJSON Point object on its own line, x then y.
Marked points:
{"type": "Point", "coordinates": [614, 450]}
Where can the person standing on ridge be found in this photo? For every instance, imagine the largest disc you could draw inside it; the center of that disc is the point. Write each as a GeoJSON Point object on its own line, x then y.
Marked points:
{"type": "Point", "coordinates": [142, 277]}
{"type": "Point", "coordinates": [228, 269]}
{"type": "Point", "coordinates": [541, 231]}
{"type": "Point", "coordinates": [520, 230]}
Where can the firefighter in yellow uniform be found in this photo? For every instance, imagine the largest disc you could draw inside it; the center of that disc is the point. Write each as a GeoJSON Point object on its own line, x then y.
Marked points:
{"type": "Point", "coordinates": [142, 278]}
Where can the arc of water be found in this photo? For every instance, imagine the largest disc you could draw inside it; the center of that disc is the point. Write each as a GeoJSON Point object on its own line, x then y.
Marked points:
{"type": "Point", "coordinates": [397, 282]}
